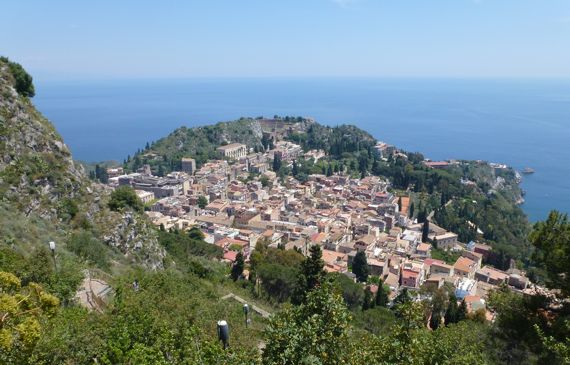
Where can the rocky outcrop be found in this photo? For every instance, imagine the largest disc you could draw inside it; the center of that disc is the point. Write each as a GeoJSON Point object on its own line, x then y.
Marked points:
{"type": "Point", "coordinates": [134, 237]}
{"type": "Point", "coordinates": [37, 171]}
{"type": "Point", "coordinates": [39, 178]}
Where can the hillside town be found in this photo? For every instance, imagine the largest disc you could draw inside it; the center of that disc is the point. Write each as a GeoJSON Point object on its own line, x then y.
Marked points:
{"type": "Point", "coordinates": [237, 201]}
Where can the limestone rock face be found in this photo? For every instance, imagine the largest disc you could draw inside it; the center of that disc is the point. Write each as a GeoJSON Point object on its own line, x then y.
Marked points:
{"type": "Point", "coordinates": [36, 168]}
{"type": "Point", "coordinates": [133, 236]}
{"type": "Point", "coordinates": [38, 178]}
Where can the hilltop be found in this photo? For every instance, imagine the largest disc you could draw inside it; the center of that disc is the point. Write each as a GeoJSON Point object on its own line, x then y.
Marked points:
{"type": "Point", "coordinates": [478, 195]}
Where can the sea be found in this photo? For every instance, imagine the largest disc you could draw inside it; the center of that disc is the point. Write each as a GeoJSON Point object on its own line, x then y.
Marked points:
{"type": "Point", "coordinates": [519, 122]}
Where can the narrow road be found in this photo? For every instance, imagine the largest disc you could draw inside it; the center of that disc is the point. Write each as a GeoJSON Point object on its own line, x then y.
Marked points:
{"type": "Point", "coordinates": [256, 309]}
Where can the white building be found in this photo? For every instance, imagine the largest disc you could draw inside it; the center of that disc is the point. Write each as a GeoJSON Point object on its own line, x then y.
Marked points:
{"type": "Point", "coordinates": [233, 150]}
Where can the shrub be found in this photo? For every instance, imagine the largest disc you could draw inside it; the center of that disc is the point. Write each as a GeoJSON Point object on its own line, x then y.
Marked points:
{"type": "Point", "coordinates": [125, 197]}
{"type": "Point", "coordinates": [23, 81]}
{"type": "Point", "coordinates": [84, 245]}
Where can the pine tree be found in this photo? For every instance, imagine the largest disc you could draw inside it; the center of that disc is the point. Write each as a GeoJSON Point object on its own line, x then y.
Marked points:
{"type": "Point", "coordinates": [360, 267]}
{"type": "Point", "coordinates": [411, 210]}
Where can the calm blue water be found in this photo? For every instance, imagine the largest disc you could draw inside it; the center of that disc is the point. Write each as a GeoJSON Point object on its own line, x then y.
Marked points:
{"type": "Point", "coordinates": [518, 122]}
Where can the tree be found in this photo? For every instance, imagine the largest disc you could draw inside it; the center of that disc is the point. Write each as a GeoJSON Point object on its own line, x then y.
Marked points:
{"type": "Point", "coordinates": [552, 241]}
{"type": "Point", "coordinates": [238, 266]}
{"type": "Point", "coordinates": [462, 311]}
{"type": "Point", "coordinates": [195, 233]}
{"type": "Point", "coordinates": [202, 202]}
{"type": "Point", "coordinates": [264, 180]}
{"type": "Point", "coordinates": [352, 293]}
{"type": "Point", "coordinates": [360, 267]}
{"type": "Point", "coordinates": [315, 332]}
{"type": "Point", "coordinates": [452, 311]}
{"type": "Point", "coordinates": [277, 280]}
{"type": "Point", "coordinates": [23, 81]}
{"type": "Point", "coordinates": [382, 295]}
{"type": "Point", "coordinates": [125, 197]}
{"type": "Point", "coordinates": [411, 210]}
{"type": "Point", "coordinates": [425, 231]}
{"type": "Point", "coordinates": [368, 301]}
{"type": "Point", "coordinates": [101, 174]}
{"type": "Point", "coordinates": [22, 310]}
{"type": "Point", "coordinates": [435, 320]}
{"type": "Point", "coordinates": [276, 162]}
{"type": "Point", "coordinates": [295, 170]}
{"type": "Point", "coordinates": [311, 275]}
{"type": "Point", "coordinates": [402, 298]}
{"type": "Point", "coordinates": [422, 216]}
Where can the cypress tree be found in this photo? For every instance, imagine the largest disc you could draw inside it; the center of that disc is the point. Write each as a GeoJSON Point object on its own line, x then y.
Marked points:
{"type": "Point", "coordinates": [382, 295]}
{"type": "Point", "coordinates": [311, 275]}
{"type": "Point", "coordinates": [452, 310]}
{"type": "Point", "coordinates": [360, 267]}
{"type": "Point", "coordinates": [462, 312]}
{"type": "Point", "coordinates": [435, 320]}
{"type": "Point", "coordinates": [237, 268]}
{"type": "Point", "coordinates": [425, 231]}
{"type": "Point", "coordinates": [368, 301]}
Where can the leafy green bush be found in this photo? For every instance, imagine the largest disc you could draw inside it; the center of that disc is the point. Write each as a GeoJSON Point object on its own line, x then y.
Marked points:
{"type": "Point", "coordinates": [90, 249]}
{"type": "Point", "coordinates": [125, 197]}
{"type": "Point", "coordinates": [24, 85]}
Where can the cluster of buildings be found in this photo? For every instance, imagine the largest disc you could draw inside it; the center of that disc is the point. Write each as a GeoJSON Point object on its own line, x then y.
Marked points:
{"type": "Point", "coordinates": [238, 202]}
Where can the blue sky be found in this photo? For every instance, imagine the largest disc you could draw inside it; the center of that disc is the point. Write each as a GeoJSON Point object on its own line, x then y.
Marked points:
{"type": "Point", "coordinates": [287, 38]}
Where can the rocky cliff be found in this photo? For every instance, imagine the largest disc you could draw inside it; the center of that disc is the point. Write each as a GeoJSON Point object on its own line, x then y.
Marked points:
{"type": "Point", "coordinates": [39, 179]}
{"type": "Point", "coordinates": [37, 172]}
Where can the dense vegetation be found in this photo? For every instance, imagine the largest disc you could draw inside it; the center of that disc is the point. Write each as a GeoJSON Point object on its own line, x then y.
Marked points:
{"type": "Point", "coordinates": [124, 197]}
{"type": "Point", "coordinates": [170, 317]}
{"type": "Point", "coordinates": [200, 143]}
